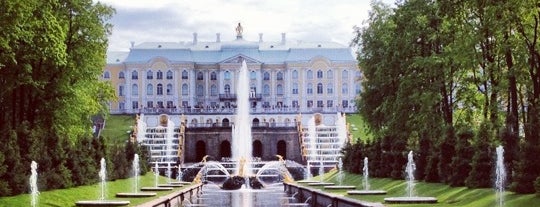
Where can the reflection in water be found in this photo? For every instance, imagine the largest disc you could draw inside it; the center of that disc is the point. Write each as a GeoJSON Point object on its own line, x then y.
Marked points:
{"type": "Point", "coordinates": [271, 196]}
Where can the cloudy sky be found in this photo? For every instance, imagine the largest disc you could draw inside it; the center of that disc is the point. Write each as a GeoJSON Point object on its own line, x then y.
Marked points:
{"type": "Point", "coordinates": [177, 20]}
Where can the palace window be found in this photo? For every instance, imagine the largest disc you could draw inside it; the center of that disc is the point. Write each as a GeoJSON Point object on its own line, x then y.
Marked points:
{"type": "Point", "coordinates": [121, 105]}
{"type": "Point", "coordinates": [200, 76]}
{"type": "Point", "coordinates": [150, 104]}
{"type": "Point", "coordinates": [169, 75]}
{"type": "Point", "coordinates": [266, 90]}
{"type": "Point", "coordinates": [169, 89]}
{"type": "Point", "coordinates": [135, 104]}
{"type": "Point", "coordinates": [149, 89]}
{"type": "Point", "coordinates": [294, 103]}
{"type": "Point", "coordinates": [185, 90]}
{"type": "Point", "coordinates": [134, 75]}
{"type": "Point", "coordinates": [200, 90]}
{"type": "Point", "coordinates": [279, 90]}
{"type": "Point", "coordinates": [309, 74]}
{"type": "Point", "coordinates": [279, 76]}
{"type": "Point", "coordinates": [213, 90]}
{"type": "Point", "coordinates": [310, 88]}
{"type": "Point", "coordinates": [330, 88]}
{"type": "Point", "coordinates": [329, 103]}
{"type": "Point", "coordinates": [310, 103]}
{"type": "Point", "coordinates": [121, 90]}
{"type": "Point", "coordinates": [319, 74]}
{"type": "Point", "coordinates": [266, 76]}
{"type": "Point", "coordinates": [295, 74]}
{"type": "Point", "coordinates": [345, 103]}
{"type": "Point", "coordinates": [184, 75]}
{"type": "Point", "coordinates": [121, 75]}
{"type": "Point", "coordinates": [149, 75]}
{"type": "Point", "coordinates": [295, 88]}
{"type": "Point", "coordinates": [227, 89]}
{"type": "Point", "coordinates": [345, 75]}
{"type": "Point", "coordinates": [106, 75]}
{"type": "Point", "coordinates": [320, 104]}
{"type": "Point", "coordinates": [344, 89]}
{"type": "Point", "coordinates": [159, 75]}
{"type": "Point", "coordinates": [329, 74]}
{"type": "Point", "coordinates": [159, 89]}
{"type": "Point", "coordinates": [134, 90]}
{"type": "Point", "coordinates": [319, 88]}
{"type": "Point", "coordinates": [213, 76]}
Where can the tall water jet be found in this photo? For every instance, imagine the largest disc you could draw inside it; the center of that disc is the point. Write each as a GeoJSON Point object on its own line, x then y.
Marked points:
{"type": "Point", "coordinates": [410, 197]}
{"type": "Point", "coordinates": [156, 174]}
{"type": "Point", "coordinates": [409, 170]}
{"type": "Point", "coordinates": [340, 171]}
{"type": "Point", "coordinates": [170, 153]}
{"type": "Point", "coordinates": [321, 171]}
{"type": "Point", "coordinates": [312, 131]}
{"type": "Point", "coordinates": [500, 176]}
{"type": "Point", "coordinates": [33, 184]}
{"type": "Point", "coordinates": [365, 173]}
{"type": "Point", "coordinates": [103, 177]}
{"type": "Point", "coordinates": [241, 136]}
{"type": "Point", "coordinates": [136, 171]}
{"type": "Point", "coordinates": [141, 128]}
{"type": "Point", "coordinates": [169, 172]}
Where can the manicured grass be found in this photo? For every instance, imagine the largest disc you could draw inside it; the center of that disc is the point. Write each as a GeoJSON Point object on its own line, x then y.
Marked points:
{"type": "Point", "coordinates": [358, 127]}
{"type": "Point", "coordinates": [118, 127]}
{"type": "Point", "coordinates": [68, 197]}
{"type": "Point", "coordinates": [447, 196]}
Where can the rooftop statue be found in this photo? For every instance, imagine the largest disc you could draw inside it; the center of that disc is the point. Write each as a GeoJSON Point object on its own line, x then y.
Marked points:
{"type": "Point", "coordinates": [239, 30]}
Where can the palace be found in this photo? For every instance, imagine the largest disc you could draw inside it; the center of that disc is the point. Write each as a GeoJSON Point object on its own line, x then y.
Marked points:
{"type": "Point", "coordinates": [193, 84]}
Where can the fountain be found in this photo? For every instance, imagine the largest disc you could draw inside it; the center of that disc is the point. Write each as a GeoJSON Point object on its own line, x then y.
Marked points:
{"type": "Point", "coordinates": [179, 180]}
{"type": "Point", "coordinates": [156, 187]}
{"type": "Point", "coordinates": [103, 182]}
{"type": "Point", "coordinates": [136, 171]}
{"type": "Point", "coordinates": [340, 176]}
{"type": "Point", "coordinates": [366, 191]}
{"type": "Point", "coordinates": [410, 198]}
{"type": "Point", "coordinates": [33, 184]}
{"type": "Point", "coordinates": [321, 176]}
{"type": "Point", "coordinates": [141, 128]}
{"type": "Point", "coordinates": [500, 176]}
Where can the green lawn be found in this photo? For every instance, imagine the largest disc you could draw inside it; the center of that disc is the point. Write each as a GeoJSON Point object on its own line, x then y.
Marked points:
{"type": "Point", "coordinates": [68, 197]}
{"type": "Point", "coordinates": [446, 195]}
{"type": "Point", "coordinates": [118, 127]}
{"type": "Point", "coordinates": [358, 127]}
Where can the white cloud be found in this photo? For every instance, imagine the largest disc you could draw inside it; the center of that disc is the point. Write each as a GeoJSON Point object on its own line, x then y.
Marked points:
{"type": "Point", "coordinates": [175, 21]}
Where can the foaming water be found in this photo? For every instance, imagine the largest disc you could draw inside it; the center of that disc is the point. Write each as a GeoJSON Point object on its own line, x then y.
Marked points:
{"type": "Point", "coordinates": [500, 176]}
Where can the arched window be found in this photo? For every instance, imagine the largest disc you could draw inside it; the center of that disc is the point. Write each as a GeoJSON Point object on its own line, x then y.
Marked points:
{"type": "Point", "coordinates": [200, 90]}
{"type": "Point", "coordinates": [329, 74]}
{"type": "Point", "coordinates": [121, 75]}
{"type": "Point", "coordinates": [255, 122]}
{"type": "Point", "coordinates": [295, 88]}
{"type": "Point", "coordinates": [266, 76]}
{"type": "Point", "coordinates": [319, 74]}
{"type": "Point", "coordinates": [330, 88]}
{"type": "Point", "coordinates": [266, 90]}
{"type": "Point", "coordinates": [344, 89]}
{"type": "Point", "coordinates": [225, 122]}
{"type": "Point", "coordinates": [227, 89]}
{"type": "Point", "coordinates": [134, 75]}
{"type": "Point", "coordinates": [184, 75]}
{"type": "Point", "coordinates": [279, 89]}
{"type": "Point", "coordinates": [169, 89]}
{"type": "Point", "coordinates": [121, 90]}
{"type": "Point", "coordinates": [309, 88]}
{"type": "Point", "coordinates": [106, 75]}
{"type": "Point", "coordinates": [134, 90]}
{"type": "Point", "coordinates": [213, 76]}
{"type": "Point", "coordinates": [159, 89]}
{"type": "Point", "coordinates": [149, 74]}
{"type": "Point", "coordinates": [200, 150]}
{"type": "Point", "coordinates": [309, 74]}
{"type": "Point", "coordinates": [185, 90]}
{"type": "Point", "coordinates": [159, 75]}
{"type": "Point", "coordinates": [279, 76]}
{"type": "Point", "coordinates": [257, 149]}
{"type": "Point", "coordinates": [253, 75]}
{"type": "Point", "coordinates": [319, 88]}
{"type": "Point", "coordinates": [200, 76]}
{"type": "Point", "coordinates": [225, 149]}
{"type": "Point", "coordinates": [149, 89]}
{"type": "Point", "coordinates": [295, 74]}
{"type": "Point", "coordinates": [169, 75]}
{"type": "Point", "coordinates": [282, 148]}
{"type": "Point", "coordinates": [345, 75]}
{"type": "Point", "coordinates": [227, 75]}
{"type": "Point", "coordinates": [213, 90]}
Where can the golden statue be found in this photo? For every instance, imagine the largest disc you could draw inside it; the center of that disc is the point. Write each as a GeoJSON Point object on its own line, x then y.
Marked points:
{"type": "Point", "coordinates": [284, 172]}
{"type": "Point", "coordinates": [242, 163]}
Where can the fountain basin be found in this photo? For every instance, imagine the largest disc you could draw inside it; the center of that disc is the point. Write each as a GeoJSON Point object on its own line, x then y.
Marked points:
{"type": "Point", "coordinates": [134, 195]}
{"type": "Point", "coordinates": [103, 203]}
{"type": "Point", "coordinates": [338, 187]}
{"type": "Point", "coordinates": [320, 184]}
{"type": "Point", "coordinates": [155, 189]}
{"type": "Point", "coordinates": [366, 192]}
{"type": "Point", "coordinates": [410, 200]}
{"type": "Point", "coordinates": [170, 185]}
